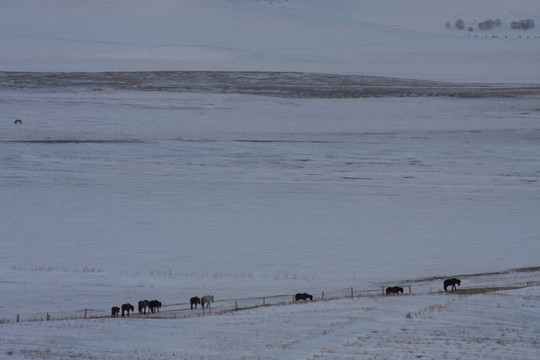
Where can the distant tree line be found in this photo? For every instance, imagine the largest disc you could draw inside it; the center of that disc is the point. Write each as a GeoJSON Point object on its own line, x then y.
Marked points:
{"type": "Point", "coordinates": [490, 24]}
{"type": "Point", "coordinates": [522, 24]}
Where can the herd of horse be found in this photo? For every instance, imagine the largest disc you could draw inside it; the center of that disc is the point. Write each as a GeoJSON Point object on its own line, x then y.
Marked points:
{"type": "Point", "coordinates": [205, 301]}
{"type": "Point", "coordinates": [151, 306]}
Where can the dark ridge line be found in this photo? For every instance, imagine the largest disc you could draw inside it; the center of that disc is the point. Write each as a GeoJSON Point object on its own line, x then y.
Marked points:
{"type": "Point", "coordinates": [73, 141]}
{"type": "Point", "coordinates": [273, 84]}
{"type": "Point", "coordinates": [284, 141]}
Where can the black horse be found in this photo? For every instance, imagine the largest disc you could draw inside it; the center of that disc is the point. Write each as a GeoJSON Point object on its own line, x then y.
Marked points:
{"type": "Point", "coordinates": [127, 307]}
{"type": "Point", "coordinates": [303, 296]}
{"type": "Point", "coordinates": [451, 282]}
{"type": "Point", "coordinates": [154, 306]}
{"type": "Point", "coordinates": [114, 311]}
{"type": "Point", "coordinates": [394, 290]}
{"type": "Point", "coordinates": [194, 301]}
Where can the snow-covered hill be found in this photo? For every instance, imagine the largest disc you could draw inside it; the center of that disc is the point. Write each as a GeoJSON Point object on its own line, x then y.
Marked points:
{"type": "Point", "coordinates": [387, 38]}
{"type": "Point", "coordinates": [122, 186]}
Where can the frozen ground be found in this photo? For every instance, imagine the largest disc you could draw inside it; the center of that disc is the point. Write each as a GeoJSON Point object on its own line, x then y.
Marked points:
{"type": "Point", "coordinates": [490, 325]}
{"type": "Point", "coordinates": [113, 195]}
{"type": "Point", "coordinates": [122, 186]}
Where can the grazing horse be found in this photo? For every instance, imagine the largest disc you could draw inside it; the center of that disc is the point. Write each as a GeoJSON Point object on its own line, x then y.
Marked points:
{"type": "Point", "coordinates": [303, 296]}
{"type": "Point", "coordinates": [127, 307]}
{"type": "Point", "coordinates": [143, 305]}
{"type": "Point", "coordinates": [154, 305]}
{"type": "Point", "coordinates": [207, 300]}
{"type": "Point", "coordinates": [394, 290]}
{"type": "Point", "coordinates": [194, 301]}
{"type": "Point", "coordinates": [114, 311]}
{"type": "Point", "coordinates": [451, 282]}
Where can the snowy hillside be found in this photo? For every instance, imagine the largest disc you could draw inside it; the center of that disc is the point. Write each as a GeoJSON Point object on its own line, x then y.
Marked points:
{"type": "Point", "coordinates": [388, 38]}
{"type": "Point", "coordinates": [328, 162]}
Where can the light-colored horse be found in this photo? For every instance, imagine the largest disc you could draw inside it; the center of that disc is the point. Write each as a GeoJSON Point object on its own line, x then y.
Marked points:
{"type": "Point", "coordinates": [207, 300]}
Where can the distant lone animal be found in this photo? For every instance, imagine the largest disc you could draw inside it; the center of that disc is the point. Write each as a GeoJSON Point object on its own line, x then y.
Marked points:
{"type": "Point", "coordinates": [18, 121]}
{"type": "Point", "coordinates": [207, 300]}
{"type": "Point", "coordinates": [394, 290]}
{"type": "Point", "coordinates": [303, 296]}
{"type": "Point", "coordinates": [143, 305]}
{"type": "Point", "coordinates": [127, 307]}
{"type": "Point", "coordinates": [451, 282]}
{"type": "Point", "coordinates": [154, 306]}
{"type": "Point", "coordinates": [115, 310]}
{"type": "Point", "coordinates": [194, 301]}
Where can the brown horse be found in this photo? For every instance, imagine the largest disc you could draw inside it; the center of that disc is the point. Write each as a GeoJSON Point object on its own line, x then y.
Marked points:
{"type": "Point", "coordinates": [127, 307]}
{"type": "Point", "coordinates": [303, 296]}
{"type": "Point", "coordinates": [194, 301]}
{"type": "Point", "coordinates": [394, 290]}
{"type": "Point", "coordinates": [18, 121]}
{"type": "Point", "coordinates": [143, 305]}
{"type": "Point", "coordinates": [115, 310]}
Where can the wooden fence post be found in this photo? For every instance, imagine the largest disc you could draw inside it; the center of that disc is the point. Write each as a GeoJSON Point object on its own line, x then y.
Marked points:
{"type": "Point", "coordinates": [85, 311]}
{"type": "Point", "coordinates": [382, 287]}
{"type": "Point", "coordinates": [322, 296]}
{"type": "Point", "coordinates": [410, 291]}
{"type": "Point", "coordinates": [48, 316]}
{"type": "Point", "coordinates": [236, 305]}
{"type": "Point", "coordinates": [264, 301]}
{"type": "Point", "coordinates": [18, 317]}
{"type": "Point", "coordinates": [352, 293]}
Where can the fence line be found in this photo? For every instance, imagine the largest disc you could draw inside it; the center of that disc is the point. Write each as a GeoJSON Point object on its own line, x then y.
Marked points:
{"type": "Point", "coordinates": [182, 310]}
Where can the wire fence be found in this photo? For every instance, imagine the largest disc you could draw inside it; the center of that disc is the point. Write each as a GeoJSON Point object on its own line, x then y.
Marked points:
{"type": "Point", "coordinates": [183, 310]}
{"type": "Point", "coordinates": [221, 306]}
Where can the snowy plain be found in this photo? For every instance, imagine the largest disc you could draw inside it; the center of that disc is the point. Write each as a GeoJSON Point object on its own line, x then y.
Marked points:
{"type": "Point", "coordinates": [114, 193]}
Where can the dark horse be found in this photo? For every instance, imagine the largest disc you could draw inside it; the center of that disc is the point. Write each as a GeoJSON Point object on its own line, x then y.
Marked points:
{"type": "Point", "coordinates": [143, 304]}
{"type": "Point", "coordinates": [127, 307]}
{"type": "Point", "coordinates": [451, 282]}
{"type": "Point", "coordinates": [394, 290]}
{"type": "Point", "coordinates": [194, 301]}
{"type": "Point", "coordinates": [303, 296]}
{"type": "Point", "coordinates": [154, 305]}
{"type": "Point", "coordinates": [114, 311]}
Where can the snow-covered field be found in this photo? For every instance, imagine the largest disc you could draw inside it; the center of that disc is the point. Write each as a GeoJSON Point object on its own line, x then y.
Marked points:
{"type": "Point", "coordinates": [487, 326]}
{"type": "Point", "coordinates": [119, 187]}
